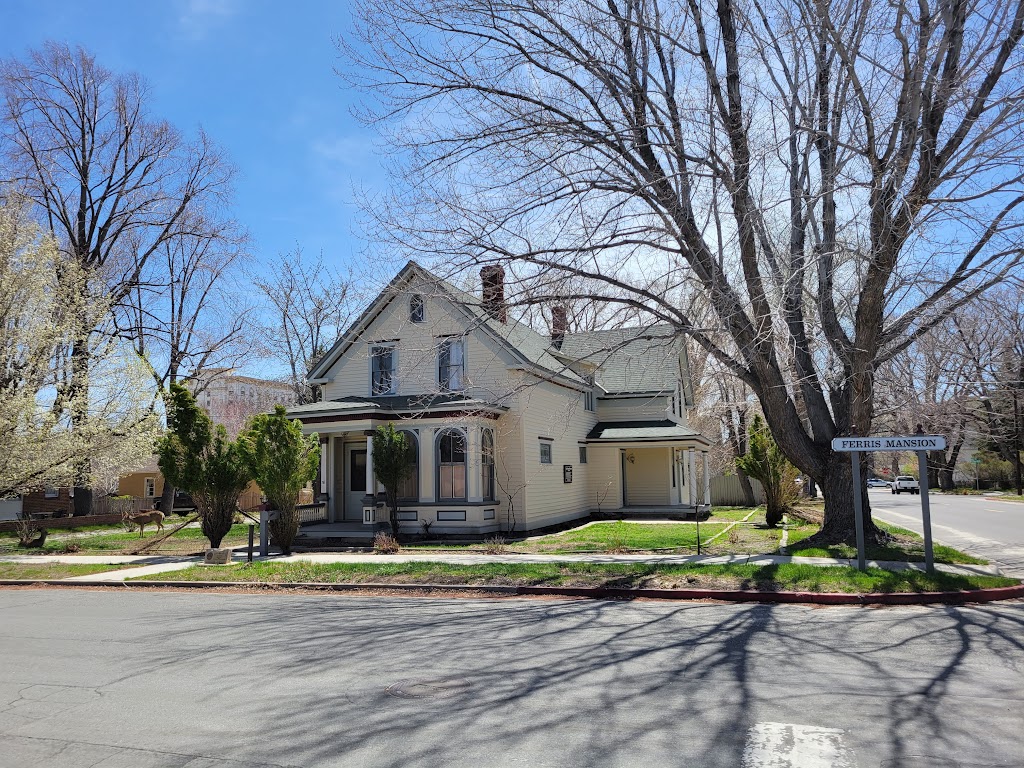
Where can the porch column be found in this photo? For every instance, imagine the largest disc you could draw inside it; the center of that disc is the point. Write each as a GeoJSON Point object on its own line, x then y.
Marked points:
{"type": "Point", "coordinates": [473, 490]}
{"type": "Point", "coordinates": [371, 480]}
{"type": "Point", "coordinates": [692, 476]}
{"type": "Point", "coordinates": [707, 480]}
{"type": "Point", "coordinates": [321, 475]}
{"type": "Point", "coordinates": [426, 464]}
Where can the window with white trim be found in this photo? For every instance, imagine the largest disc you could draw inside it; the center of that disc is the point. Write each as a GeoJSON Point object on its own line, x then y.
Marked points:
{"type": "Point", "coordinates": [451, 465]}
{"type": "Point", "coordinates": [409, 488]}
{"type": "Point", "coordinates": [150, 487]}
{"type": "Point", "coordinates": [382, 370]}
{"type": "Point", "coordinates": [588, 394]}
{"type": "Point", "coordinates": [451, 364]}
{"type": "Point", "coordinates": [487, 465]}
{"type": "Point", "coordinates": [545, 451]}
{"type": "Point", "coordinates": [417, 309]}
{"type": "Point", "coordinates": [583, 454]}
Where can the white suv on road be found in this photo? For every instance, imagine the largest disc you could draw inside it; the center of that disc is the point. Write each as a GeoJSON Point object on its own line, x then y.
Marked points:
{"type": "Point", "coordinates": [905, 483]}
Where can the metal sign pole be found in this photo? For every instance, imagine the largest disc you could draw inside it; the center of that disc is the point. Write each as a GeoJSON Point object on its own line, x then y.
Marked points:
{"type": "Point", "coordinates": [926, 513]}
{"type": "Point", "coordinates": [858, 510]}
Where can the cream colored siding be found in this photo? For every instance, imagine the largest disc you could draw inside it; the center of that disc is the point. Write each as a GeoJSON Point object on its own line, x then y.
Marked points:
{"type": "Point", "coordinates": [486, 361]}
{"type": "Point", "coordinates": [552, 411]}
{"type": "Point", "coordinates": [604, 477]}
{"type": "Point", "coordinates": [648, 476]}
{"type": "Point", "coordinates": [634, 408]}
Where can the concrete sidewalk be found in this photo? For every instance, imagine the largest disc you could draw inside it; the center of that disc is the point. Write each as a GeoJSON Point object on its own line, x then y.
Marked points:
{"type": "Point", "coordinates": [152, 565]}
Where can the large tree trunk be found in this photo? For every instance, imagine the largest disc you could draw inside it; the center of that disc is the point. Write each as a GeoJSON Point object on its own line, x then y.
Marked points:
{"type": "Point", "coordinates": [837, 487]}
{"type": "Point", "coordinates": [167, 498]}
{"type": "Point", "coordinates": [79, 398]}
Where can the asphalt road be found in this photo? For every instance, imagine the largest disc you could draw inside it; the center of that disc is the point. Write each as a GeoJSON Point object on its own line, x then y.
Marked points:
{"type": "Point", "coordinates": [116, 679]}
{"type": "Point", "coordinates": [982, 526]}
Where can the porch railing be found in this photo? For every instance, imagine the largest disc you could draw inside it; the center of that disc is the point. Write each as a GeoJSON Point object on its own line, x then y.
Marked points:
{"type": "Point", "coordinates": [310, 514]}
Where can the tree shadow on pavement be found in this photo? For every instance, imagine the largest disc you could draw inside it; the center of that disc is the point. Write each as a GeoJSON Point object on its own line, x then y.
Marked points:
{"type": "Point", "coordinates": [589, 682]}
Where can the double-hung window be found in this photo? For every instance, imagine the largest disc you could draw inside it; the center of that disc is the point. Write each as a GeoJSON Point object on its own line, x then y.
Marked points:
{"type": "Point", "coordinates": [487, 465]}
{"type": "Point", "coordinates": [451, 364]}
{"type": "Point", "coordinates": [451, 465]}
{"type": "Point", "coordinates": [588, 394]}
{"type": "Point", "coordinates": [382, 370]}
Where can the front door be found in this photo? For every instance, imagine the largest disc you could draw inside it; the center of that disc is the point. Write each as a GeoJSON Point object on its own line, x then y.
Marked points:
{"type": "Point", "coordinates": [355, 480]}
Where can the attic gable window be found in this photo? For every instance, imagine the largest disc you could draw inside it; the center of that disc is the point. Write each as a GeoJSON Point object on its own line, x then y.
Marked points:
{"type": "Point", "coordinates": [451, 364]}
{"type": "Point", "coordinates": [382, 370]}
{"type": "Point", "coordinates": [417, 310]}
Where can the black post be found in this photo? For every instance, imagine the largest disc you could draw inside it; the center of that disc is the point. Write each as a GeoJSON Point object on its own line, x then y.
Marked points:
{"type": "Point", "coordinates": [1016, 444]}
{"type": "Point", "coordinates": [252, 534]}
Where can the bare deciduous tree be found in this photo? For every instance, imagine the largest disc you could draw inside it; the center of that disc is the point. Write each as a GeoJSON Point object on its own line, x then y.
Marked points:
{"type": "Point", "coordinates": [835, 179]}
{"type": "Point", "coordinates": [113, 185]}
{"type": "Point", "coordinates": [187, 318]}
{"type": "Point", "coordinates": [311, 305]}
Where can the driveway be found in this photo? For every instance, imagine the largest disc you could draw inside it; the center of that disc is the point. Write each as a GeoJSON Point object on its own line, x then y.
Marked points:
{"type": "Point", "coordinates": [115, 679]}
{"type": "Point", "coordinates": [982, 526]}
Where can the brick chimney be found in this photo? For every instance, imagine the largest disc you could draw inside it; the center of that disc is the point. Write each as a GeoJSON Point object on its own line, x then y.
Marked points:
{"type": "Point", "coordinates": [493, 279]}
{"type": "Point", "coordinates": [559, 324]}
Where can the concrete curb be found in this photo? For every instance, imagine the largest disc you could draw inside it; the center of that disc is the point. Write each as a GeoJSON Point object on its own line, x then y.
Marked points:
{"type": "Point", "coordinates": [738, 596]}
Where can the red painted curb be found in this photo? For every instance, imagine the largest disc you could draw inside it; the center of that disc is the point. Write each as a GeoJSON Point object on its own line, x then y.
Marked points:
{"type": "Point", "coordinates": [736, 595]}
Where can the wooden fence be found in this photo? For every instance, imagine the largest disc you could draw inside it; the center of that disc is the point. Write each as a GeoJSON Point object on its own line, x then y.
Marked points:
{"type": "Point", "coordinates": [727, 491]}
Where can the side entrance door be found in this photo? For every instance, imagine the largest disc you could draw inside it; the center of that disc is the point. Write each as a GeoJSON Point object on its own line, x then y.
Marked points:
{"type": "Point", "coordinates": [355, 480]}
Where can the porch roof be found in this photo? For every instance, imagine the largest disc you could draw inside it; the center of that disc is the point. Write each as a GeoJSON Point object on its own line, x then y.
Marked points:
{"type": "Point", "coordinates": [383, 405]}
{"type": "Point", "coordinates": [643, 432]}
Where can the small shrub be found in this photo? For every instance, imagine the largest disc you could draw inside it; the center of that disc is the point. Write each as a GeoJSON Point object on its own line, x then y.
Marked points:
{"type": "Point", "coordinates": [496, 545]}
{"type": "Point", "coordinates": [426, 527]}
{"type": "Point", "coordinates": [69, 548]}
{"type": "Point", "coordinates": [734, 536]}
{"type": "Point", "coordinates": [385, 544]}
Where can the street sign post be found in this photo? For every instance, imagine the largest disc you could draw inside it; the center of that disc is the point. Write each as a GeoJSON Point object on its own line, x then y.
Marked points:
{"type": "Point", "coordinates": [920, 443]}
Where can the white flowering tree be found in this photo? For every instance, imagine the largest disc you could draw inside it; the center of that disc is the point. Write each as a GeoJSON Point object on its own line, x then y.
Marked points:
{"type": "Point", "coordinates": [43, 298]}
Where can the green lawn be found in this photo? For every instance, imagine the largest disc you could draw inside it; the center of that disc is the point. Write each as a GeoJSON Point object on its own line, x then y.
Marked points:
{"type": "Point", "coordinates": [186, 541]}
{"type": "Point", "coordinates": [734, 514]}
{"type": "Point", "coordinates": [766, 578]}
{"type": "Point", "coordinates": [53, 570]}
{"type": "Point", "coordinates": [615, 536]}
{"type": "Point", "coordinates": [909, 547]}
{"type": "Point", "coordinates": [62, 531]}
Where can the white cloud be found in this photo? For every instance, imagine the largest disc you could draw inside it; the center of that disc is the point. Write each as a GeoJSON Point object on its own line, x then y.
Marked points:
{"type": "Point", "coordinates": [198, 17]}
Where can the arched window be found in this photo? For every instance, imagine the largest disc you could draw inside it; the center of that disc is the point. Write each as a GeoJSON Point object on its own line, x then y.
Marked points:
{"type": "Point", "coordinates": [417, 312]}
{"type": "Point", "coordinates": [487, 465]}
{"type": "Point", "coordinates": [409, 490]}
{"type": "Point", "coordinates": [451, 465]}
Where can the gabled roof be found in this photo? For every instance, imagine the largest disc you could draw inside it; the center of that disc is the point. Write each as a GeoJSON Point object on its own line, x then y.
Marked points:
{"type": "Point", "coordinates": [629, 360]}
{"type": "Point", "coordinates": [522, 341]}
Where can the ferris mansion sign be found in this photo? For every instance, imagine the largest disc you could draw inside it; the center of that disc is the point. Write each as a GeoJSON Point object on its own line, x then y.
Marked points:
{"type": "Point", "coordinates": [906, 443]}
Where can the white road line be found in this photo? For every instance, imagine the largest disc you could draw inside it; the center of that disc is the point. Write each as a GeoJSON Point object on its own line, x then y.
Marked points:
{"type": "Point", "coordinates": [785, 745]}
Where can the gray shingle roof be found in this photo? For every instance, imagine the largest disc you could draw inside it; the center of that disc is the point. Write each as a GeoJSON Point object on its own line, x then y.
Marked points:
{"type": "Point", "coordinates": [629, 359]}
{"type": "Point", "coordinates": [390, 404]}
{"type": "Point", "coordinates": [533, 346]}
{"type": "Point", "coordinates": [639, 431]}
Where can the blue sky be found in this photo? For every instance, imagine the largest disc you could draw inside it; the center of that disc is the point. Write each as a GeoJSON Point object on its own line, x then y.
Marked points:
{"type": "Point", "coordinates": [259, 77]}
